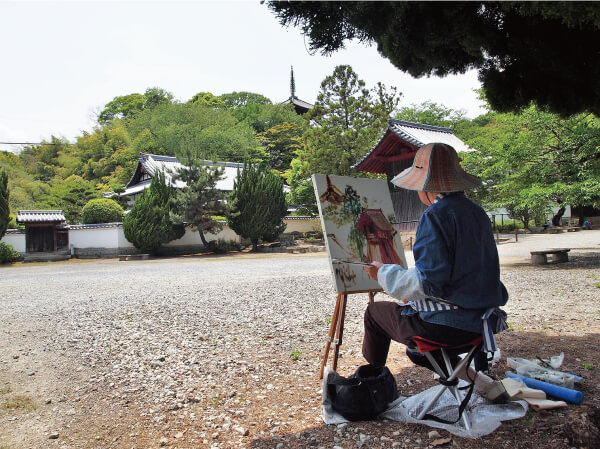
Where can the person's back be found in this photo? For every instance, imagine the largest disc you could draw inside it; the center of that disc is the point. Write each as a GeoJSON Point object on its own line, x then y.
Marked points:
{"type": "Point", "coordinates": [456, 255]}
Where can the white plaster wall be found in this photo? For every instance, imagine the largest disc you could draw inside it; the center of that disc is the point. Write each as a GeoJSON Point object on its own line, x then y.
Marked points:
{"type": "Point", "coordinates": [95, 237]}
{"type": "Point", "coordinates": [310, 225]}
{"type": "Point", "coordinates": [193, 237]}
{"type": "Point", "coordinates": [16, 240]}
{"type": "Point", "coordinates": [122, 240]}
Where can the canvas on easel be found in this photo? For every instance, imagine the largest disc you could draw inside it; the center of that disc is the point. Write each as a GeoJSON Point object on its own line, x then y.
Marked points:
{"type": "Point", "coordinates": [358, 222]}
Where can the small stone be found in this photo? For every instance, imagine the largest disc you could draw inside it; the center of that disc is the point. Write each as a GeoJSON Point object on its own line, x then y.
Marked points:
{"type": "Point", "coordinates": [48, 401]}
{"type": "Point", "coordinates": [178, 435]}
{"type": "Point", "coordinates": [53, 436]}
{"type": "Point", "coordinates": [433, 434]}
{"type": "Point", "coordinates": [163, 441]}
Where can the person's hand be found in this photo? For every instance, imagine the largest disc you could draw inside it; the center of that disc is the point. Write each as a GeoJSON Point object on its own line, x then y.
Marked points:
{"type": "Point", "coordinates": [373, 269]}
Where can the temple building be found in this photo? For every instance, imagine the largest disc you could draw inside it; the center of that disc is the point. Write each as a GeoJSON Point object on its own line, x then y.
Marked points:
{"type": "Point", "coordinates": [396, 151]}
{"type": "Point", "coordinates": [150, 164]}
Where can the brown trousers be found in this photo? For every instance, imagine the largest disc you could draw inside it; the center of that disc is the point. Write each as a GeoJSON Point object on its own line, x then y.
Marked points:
{"type": "Point", "coordinates": [384, 322]}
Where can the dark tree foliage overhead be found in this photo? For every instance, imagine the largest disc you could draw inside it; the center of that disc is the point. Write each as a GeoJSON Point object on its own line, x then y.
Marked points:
{"type": "Point", "coordinates": [545, 52]}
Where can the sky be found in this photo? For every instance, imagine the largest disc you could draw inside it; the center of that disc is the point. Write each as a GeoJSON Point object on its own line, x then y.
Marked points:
{"type": "Point", "coordinates": [61, 62]}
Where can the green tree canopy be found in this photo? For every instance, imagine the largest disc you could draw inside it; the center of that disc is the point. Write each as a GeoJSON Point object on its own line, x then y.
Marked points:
{"type": "Point", "coordinates": [531, 160]}
{"type": "Point", "coordinates": [176, 129]}
{"type": "Point", "coordinates": [431, 113]}
{"type": "Point", "coordinates": [69, 195]}
{"type": "Point", "coordinates": [281, 143]}
{"type": "Point", "coordinates": [257, 205]}
{"type": "Point", "coordinates": [544, 52]}
{"type": "Point", "coordinates": [348, 122]}
{"type": "Point", "coordinates": [148, 225]}
{"type": "Point", "coordinates": [236, 100]}
{"type": "Point", "coordinates": [128, 106]}
{"type": "Point", "coordinates": [207, 99]}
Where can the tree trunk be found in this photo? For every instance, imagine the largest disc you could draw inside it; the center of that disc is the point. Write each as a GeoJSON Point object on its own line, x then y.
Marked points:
{"type": "Point", "coordinates": [254, 245]}
{"type": "Point", "coordinates": [558, 216]}
{"type": "Point", "coordinates": [204, 242]}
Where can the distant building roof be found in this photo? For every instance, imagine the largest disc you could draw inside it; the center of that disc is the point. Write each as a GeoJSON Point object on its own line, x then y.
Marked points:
{"type": "Point", "coordinates": [301, 107]}
{"type": "Point", "coordinates": [401, 140]}
{"type": "Point", "coordinates": [40, 216]}
{"type": "Point", "coordinates": [150, 164]}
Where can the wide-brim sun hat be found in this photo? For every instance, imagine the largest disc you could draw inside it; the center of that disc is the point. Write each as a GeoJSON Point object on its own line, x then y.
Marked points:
{"type": "Point", "coordinates": [436, 168]}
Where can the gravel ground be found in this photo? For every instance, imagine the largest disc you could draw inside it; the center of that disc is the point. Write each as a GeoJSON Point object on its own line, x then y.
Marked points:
{"type": "Point", "coordinates": [224, 352]}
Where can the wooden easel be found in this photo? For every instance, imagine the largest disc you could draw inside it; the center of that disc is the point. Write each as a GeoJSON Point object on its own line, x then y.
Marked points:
{"type": "Point", "coordinates": [336, 328]}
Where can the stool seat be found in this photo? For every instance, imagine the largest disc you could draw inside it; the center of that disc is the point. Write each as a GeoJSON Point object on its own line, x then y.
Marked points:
{"type": "Point", "coordinates": [426, 345]}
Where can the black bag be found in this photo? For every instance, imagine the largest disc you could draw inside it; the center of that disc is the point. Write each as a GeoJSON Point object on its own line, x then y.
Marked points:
{"type": "Point", "coordinates": [365, 394]}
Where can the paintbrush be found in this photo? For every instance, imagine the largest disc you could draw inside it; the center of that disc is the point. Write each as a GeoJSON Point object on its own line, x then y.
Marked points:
{"type": "Point", "coordinates": [351, 262]}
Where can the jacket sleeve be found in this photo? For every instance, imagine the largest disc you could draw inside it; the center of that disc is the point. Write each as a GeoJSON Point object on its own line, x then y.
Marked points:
{"type": "Point", "coordinates": [400, 283]}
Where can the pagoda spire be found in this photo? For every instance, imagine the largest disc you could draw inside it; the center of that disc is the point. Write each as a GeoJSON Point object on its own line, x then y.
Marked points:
{"type": "Point", "coordinates": [292, 83]}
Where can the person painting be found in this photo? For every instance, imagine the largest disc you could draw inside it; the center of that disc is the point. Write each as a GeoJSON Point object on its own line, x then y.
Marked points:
{"type": "Point", "coordinates": [456, 264]}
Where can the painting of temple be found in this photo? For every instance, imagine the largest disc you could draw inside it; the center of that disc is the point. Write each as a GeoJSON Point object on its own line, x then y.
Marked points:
{"type": "Point", "coordinates": [359, 227]}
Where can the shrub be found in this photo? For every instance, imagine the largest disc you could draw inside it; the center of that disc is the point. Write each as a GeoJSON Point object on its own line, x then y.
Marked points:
{"type": "Point", "coordinates": [148, 225]}
{"type": "Point", "coordinates": [258, 205]}
{"type": "Point", "coordinates": [8, 254]}
{"type": "Point", "coordinates": [101, 210]}
{"type": "Point", "coordinates": [4, 205]}
{"type": "Point", "coordinates": [223, 246]}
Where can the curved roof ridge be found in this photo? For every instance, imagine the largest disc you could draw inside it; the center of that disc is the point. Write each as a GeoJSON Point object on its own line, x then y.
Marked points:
{"type": "Point", "coordinates": [395, 121]}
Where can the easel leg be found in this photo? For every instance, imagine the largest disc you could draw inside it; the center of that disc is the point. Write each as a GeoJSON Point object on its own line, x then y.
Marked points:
{"type": "Point", "coordinates": [332, 328]}
{"type": "Point", "coordinates": [371, 297]}
{"type": "Point", "coordinates": [340, 331]}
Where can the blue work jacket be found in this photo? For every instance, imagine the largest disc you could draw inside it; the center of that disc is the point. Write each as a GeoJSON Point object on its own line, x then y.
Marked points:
{"type": "Point", "coordinates": [456, 260]}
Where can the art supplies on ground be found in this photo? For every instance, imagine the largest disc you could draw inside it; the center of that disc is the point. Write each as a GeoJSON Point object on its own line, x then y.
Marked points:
{"type": "Point", "coordinates": [545, 371]}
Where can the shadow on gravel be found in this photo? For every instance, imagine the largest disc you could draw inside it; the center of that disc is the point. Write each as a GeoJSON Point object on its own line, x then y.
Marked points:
{"type": "Point", "coordinates": [574, 426]}
{"type": "Point", "coordinates": [577, 260]}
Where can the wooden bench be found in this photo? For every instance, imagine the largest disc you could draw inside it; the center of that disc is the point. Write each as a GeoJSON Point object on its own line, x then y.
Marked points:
{"type": "Point", "coordinates": [558, 255]}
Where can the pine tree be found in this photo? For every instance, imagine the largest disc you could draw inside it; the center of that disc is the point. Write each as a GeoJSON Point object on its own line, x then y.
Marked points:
{"type": "Point", "coordinates": [148, 225]}
{"type": "Point", "coordinates": [4, 206]}
{"type": "Point", "coordinates": [200, 202]}
{"type": "Point", "coordinates": [258, 205]}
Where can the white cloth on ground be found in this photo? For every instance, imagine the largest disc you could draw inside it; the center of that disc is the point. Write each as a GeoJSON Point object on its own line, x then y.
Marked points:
{"type": "Point", "coordinates": [485, 415]}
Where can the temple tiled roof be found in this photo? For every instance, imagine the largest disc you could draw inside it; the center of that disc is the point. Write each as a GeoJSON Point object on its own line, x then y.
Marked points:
{"type": "Point", "coordinates": [153, 163]}
{"type": "Point", "coordinates": [40, 216]}
{"type": "Point", "coordinates": [401, 140]}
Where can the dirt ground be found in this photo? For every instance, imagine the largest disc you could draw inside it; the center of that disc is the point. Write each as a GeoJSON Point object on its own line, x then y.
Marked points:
{"type": "Point", "coordinates": [57, 405]}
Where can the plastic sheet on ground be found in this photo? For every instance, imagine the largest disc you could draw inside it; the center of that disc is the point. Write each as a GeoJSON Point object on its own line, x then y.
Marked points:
{"type": "Point", "coordinates": [485, 415]}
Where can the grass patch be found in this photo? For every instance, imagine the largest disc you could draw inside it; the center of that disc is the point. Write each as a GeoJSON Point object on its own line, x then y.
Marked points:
{"type": "Point", "coordinates": [5, 390]}
{"type": "Point", "coordinates": [19, 402]}
{"type": "Point", "coordinates": [295, 354]}
{"type": "Point", "coordinates": [597, 284]}
{"type": "Point", "coordinates": [587, 366]}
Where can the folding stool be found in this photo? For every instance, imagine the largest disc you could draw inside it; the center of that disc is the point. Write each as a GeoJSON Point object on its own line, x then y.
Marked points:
{"type": "Point", "coordinates": [448, 357]}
